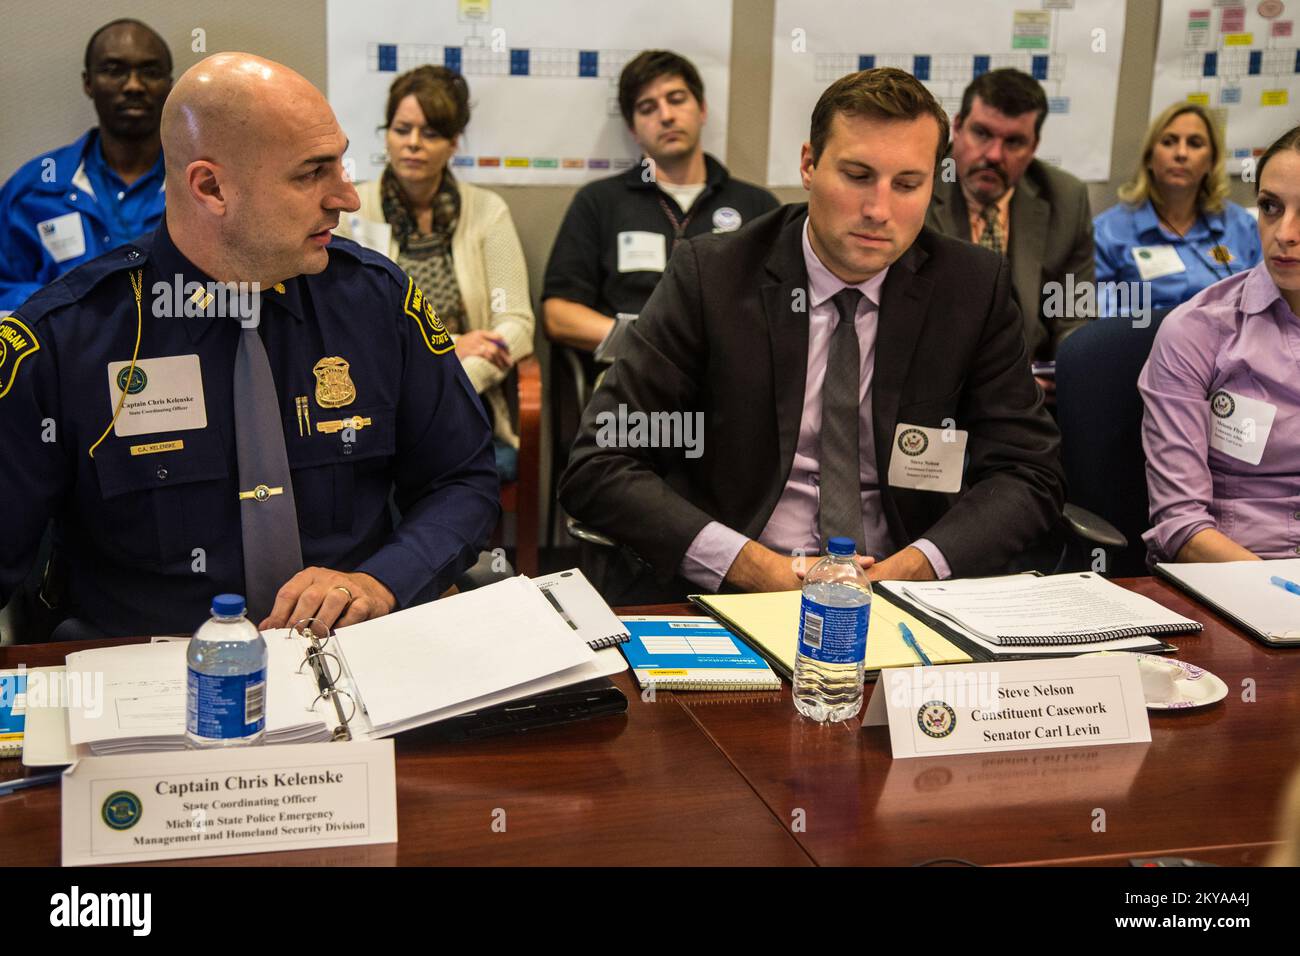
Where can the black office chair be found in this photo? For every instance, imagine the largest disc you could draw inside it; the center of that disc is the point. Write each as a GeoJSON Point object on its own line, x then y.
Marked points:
{"type": "Point", "coordinates": [1100, 414]}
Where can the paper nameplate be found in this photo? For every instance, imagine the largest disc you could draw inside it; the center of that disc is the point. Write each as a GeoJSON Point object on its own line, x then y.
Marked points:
{"type": "Point", "coordinates": [192, 803]}
{"type": "Point", "coordinates": [1015, 705]}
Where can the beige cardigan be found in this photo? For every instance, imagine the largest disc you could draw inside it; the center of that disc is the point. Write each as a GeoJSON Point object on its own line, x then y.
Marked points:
{"type": "Point", "coordinates": [490, 270]}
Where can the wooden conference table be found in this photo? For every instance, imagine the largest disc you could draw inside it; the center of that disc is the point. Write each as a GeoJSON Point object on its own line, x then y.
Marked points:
{"type": "Point", "coordinates": [725, 779]}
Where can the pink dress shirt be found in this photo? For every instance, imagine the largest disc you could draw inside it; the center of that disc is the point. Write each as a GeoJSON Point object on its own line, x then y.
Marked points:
{"type": "Point", "coordinates": [1239, 335]}
{"type": "Point", "coordinates": [793, 527]}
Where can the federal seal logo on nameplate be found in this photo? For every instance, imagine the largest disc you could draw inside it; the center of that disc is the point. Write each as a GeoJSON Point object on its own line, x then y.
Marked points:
{"type": "Point", "coordinates": [334, 387]}
{"type": "Point", "coordinates": [913, 442]}
{"type": "Point", "coordinates": [936, 719]}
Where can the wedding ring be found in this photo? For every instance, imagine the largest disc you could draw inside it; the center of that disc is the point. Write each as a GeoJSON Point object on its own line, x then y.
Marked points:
{"type": "Point", "coordinates": [339, 587]}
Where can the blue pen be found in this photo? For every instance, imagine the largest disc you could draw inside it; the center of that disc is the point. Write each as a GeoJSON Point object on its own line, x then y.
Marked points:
{"type": "Point", "coordinates": [35, 780]}
{"type": "Point", "coordinates": [1285, 585]}
{"type": "Point", "coordinates": [910, 641]}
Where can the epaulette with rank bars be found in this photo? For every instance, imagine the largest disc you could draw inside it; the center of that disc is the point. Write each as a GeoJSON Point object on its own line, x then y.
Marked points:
{"type": "Point", "coordinates": [73, 286]}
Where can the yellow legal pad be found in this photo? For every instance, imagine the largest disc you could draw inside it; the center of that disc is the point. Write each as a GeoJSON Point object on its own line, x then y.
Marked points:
{"type": "Point", "coordinates": [770, 622]}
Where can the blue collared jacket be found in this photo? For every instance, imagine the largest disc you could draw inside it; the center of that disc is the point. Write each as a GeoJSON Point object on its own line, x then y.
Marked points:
{"type": "Point", "coordinates": [53, 216]}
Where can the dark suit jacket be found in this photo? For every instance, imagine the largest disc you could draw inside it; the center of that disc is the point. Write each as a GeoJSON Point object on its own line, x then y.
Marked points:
{"type": "Point", "coordinates": [726, 333]}
{"type": "Point", "coordinates": [1051, 236]}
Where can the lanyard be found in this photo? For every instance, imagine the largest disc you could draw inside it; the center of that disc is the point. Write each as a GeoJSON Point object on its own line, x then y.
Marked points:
{"type": "Point", "coordinates": [1215, 261]}
{"type": "Point", "coordinates": [680, 225]}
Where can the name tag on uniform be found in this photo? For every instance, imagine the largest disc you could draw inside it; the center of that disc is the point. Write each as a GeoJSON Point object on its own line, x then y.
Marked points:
{"type": "Point", "coordinates": [1156, 261]}
{"type": "Point", "coordinates": [63, 237]}
{"type": "Point", "coordinates": [162, 395]}
{"type": "Point", "coordinates": [927, 459]}
{"type": "Point", "coordinates": [1239, 426]}
{"type": "Point", "coordinates": [642, 252]}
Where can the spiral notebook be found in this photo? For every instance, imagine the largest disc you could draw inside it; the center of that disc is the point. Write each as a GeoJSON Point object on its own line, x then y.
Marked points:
{"type": "Point", "coordinates": [1021, 609]}
{"type": "Point", "coordinates": [581, 607]}
{"type": "Point", "coordinates": [693, 653]}
{"type": "Point", "coordinates": [13, 709]}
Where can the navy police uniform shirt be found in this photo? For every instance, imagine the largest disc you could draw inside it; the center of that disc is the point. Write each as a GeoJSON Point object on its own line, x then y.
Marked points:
{"type": "Point", "coordinates": [372, 397]}
{"type": "Point", "coordinates": [618, 234]}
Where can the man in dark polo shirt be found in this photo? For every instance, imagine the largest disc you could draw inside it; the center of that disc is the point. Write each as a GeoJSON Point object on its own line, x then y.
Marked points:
{"type": "Point", "coordinates": [619, 232]}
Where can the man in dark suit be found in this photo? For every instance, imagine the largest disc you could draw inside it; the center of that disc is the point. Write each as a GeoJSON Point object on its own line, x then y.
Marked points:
{"type": "Point", "coordinates": [834, 369]}
{"type": "Point", "coordinates": [1006, 200]}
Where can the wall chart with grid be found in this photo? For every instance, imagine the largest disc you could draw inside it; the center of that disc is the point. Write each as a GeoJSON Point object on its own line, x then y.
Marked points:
{"type": "Point", "coordinates": [1240, 60]}
{"type": "Point", "coordinates": [1072, 49]}
{"type": "Point", "coordinates": [543, 77]}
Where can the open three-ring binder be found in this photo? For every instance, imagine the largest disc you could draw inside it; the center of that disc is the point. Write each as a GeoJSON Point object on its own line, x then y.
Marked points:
{"type": "Point", "coordinates": [469, 658]}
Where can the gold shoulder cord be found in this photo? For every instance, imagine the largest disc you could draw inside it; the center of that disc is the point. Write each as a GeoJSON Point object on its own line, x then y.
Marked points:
{"type": "Point", "coordinates": [137, 286]}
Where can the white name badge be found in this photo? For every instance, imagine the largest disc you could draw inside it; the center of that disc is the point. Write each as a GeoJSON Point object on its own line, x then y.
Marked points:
{"type": "Point", "coordinates": [1013, 705]}
{"type": "Point", "coordinates": [372, 235]}
{"type": "Point", "coordinates": [190, 803]}
{"type": "Point", "coordinates": [1156, 261]}
{"type": "Point", "coordinates": [163, 395]}
{"type": "Point", "coordinates": [63, 236]}
{"type": "Point", "coordinates": [927, 459]}
{"type": "Point", "coordinates": [1239, 426]}
{"type": "Point", "coordinates": [642, 252]}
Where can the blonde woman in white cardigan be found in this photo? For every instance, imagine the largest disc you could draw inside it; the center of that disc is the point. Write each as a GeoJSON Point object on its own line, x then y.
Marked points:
{"type": "Point", "coordinates": [455, 239]}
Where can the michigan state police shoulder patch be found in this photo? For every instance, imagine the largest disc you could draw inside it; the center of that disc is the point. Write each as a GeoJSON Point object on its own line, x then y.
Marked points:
{"type": "Point", "coordinates": [432, 330]}
{"type": "Point", "coordinates": [16, 343]}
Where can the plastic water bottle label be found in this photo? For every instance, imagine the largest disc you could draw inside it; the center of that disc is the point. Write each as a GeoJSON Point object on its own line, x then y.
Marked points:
{"type": "Point", "coordinates": [222, 708]}
{"type": "Point", "coordinates": [833, 635]}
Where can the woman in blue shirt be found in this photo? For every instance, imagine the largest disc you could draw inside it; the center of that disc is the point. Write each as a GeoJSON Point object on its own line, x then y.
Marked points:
{"type": "Point", "coordinates": [1174, 227]}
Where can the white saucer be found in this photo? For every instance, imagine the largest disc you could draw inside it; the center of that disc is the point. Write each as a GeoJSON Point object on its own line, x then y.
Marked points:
{"type": "Point", "coordinates": [1194, 687]}
{"type": "Point", "coordinates": [1197, 687]}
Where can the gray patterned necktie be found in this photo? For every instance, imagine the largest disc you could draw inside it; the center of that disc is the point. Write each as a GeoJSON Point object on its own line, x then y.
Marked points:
{"type": "Point", "coordinates": [267, 514]}
{"type": "Point", "coordinates": [841, 487]}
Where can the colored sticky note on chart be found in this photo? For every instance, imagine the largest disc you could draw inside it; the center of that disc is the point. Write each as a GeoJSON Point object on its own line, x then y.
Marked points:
{"type": "Point", "coordinates": [1273, 98]}
{"type": "Point", "coordinates": [1031, 30]}
{"type": "Point", "coordinates": [1238, 39]}
{"type": "Point", "coordinates": [1200, 99]}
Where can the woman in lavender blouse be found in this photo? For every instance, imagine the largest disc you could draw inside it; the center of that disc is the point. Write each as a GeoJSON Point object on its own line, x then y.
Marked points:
{"type": "Point", "coordinates": [1222, 391]}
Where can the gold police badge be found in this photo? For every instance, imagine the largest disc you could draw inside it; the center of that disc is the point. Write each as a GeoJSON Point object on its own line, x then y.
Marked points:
{"type": "Point", "coordinates": [334, 387]}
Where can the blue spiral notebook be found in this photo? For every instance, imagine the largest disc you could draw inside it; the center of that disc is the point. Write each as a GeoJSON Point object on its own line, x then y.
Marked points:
{"type": "Point", "coordinates": [13, 711]}
{"type": "Point", "coordinates": [693, 653]}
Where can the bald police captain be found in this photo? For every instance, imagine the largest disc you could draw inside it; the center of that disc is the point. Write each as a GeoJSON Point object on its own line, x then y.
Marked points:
{"type": "Point", "coordinates": [229, 403]}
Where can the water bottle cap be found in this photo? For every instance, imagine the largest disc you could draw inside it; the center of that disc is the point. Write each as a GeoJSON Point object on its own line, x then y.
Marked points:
{"type": "Point", "coordinates": [841, 546]}
{"type": "Point", "coordinates": [228, 605]}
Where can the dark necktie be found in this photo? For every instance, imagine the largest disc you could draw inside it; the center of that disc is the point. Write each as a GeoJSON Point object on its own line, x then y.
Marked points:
{"type": "Point", "coordinates": [841, 491]}
{"type": "Point", "coordinates": [991, 238]}
{"type": "Point", "coordinates": [267, 514]}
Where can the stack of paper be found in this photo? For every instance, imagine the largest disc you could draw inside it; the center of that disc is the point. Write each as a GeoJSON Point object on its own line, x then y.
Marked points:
{"type": "Point", "coordinates": [1059, 609]}
{"type": "Point", "coordinates": [142, 708]}
{"type": "Point", "coordinates": [461, 654]}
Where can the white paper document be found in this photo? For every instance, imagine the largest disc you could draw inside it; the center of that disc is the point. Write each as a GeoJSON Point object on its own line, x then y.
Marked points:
{"type": "Point", "coordinates": [1061, 608]}
{"type": "Point", "coordinates": [1244, 591]}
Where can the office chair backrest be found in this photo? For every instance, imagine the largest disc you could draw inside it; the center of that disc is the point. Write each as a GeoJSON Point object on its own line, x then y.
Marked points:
{"type": "Point", "coordinates": [1100, 413]}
